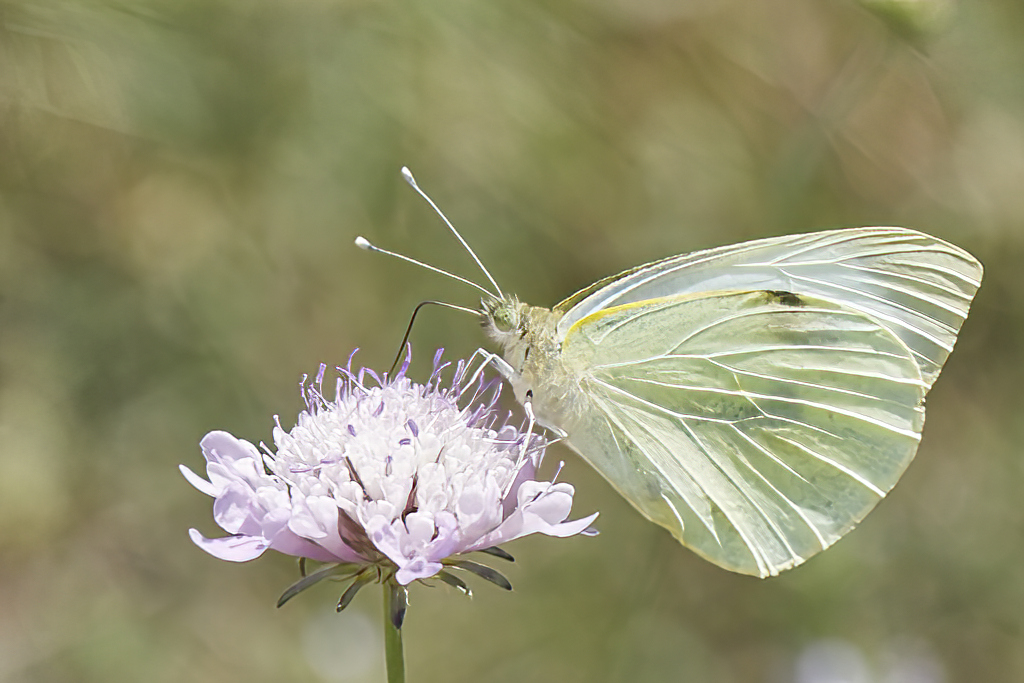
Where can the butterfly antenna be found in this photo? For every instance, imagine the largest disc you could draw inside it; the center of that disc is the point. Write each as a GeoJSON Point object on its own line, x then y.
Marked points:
{"type": "Point", "coordinates": [407, 174]}
{"type": "Point", "coordinates": [364, 243]}
{"type": "Point", "coordinates": [408, 330]}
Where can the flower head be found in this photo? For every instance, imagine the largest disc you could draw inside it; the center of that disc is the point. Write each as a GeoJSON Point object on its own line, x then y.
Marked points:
{"type": "Point", "coordinates": [387, 474]}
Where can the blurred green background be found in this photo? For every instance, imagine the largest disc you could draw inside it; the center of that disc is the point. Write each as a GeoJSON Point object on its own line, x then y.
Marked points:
{"type": "Point", "coordinates": [180, 185]}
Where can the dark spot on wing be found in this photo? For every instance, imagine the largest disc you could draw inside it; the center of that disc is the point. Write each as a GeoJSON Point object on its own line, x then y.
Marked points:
{"type": "Point", "coordinates": [782, 297]}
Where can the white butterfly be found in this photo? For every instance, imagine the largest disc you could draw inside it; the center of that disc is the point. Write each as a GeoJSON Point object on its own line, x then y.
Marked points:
{"type": "Point", "coordinates": [756, 400]}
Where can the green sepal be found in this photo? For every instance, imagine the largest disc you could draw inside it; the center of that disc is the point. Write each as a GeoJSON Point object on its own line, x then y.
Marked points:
{"type": "Point", "coordinates": [484, 572]}
{"type": "Point", "coordinates": [350, 592]}
{"type": "Point", "coordinates": [308, 580]}
{"type": "Point", "coordinates": [398, 604]}
{"type": "Point", "coordinates": [455, 582]}
{"type": "Point", "coordinates": [498, 552]}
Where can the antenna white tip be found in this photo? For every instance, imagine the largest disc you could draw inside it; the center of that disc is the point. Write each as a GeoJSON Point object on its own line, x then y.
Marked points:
{"type": "Point", "coordinates": [407, 174]}
{"type": "Point", "coordinates": [363, 243]}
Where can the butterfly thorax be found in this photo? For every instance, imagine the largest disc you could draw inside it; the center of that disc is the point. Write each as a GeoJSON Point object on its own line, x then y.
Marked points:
{"type": "Point", "coordinates": [529, 343]}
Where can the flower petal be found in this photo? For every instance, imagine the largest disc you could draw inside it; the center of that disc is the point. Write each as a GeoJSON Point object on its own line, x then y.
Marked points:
{"type": "Point", "coordinates": [197, 481]}
{"type": "Point", "coordinates": [385, 537]}
{"type": "Point", "coordinates": [417, 568]}
{"type": "Point", "coordinates": [564, 529]}
{"type": "Point", "coordinates": [231, 548]}
{"type": "Point", "coordinates": [420, 529]}
{"type": "Point", "coordinates": [285, 541]}
{"type": "Point", "coordinates": [236, 507]}
{"type": "Point", "coordinates": [316, 518]}
{"type": "Point", "coordinates": [542, 508]}
{"type": "Point", "coordinates": [551, 502]}
{"type": "Point", "coordinates": [224, 447]}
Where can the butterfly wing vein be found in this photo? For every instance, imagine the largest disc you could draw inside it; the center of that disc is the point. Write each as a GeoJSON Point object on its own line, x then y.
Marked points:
{"type": "Point", "coordinates": [757, 433]}
{"type": "Point", "coordinates": [917, 286]}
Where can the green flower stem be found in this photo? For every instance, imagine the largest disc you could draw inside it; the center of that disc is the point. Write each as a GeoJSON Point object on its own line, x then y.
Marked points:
{"type": "Point", "coordinates": [393, 657]}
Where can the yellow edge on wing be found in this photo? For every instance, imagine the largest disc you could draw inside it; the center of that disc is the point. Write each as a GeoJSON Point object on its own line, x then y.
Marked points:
{"type": "Point", "coordinates": [600, 313]}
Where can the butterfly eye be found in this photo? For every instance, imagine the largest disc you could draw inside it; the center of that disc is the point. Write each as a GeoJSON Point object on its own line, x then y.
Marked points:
{"type": "Point", "coordinates": [504, 320]}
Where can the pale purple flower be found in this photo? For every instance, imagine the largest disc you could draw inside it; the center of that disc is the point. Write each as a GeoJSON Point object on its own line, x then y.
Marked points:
{"type": "Point", "coordinates": [388, 474]}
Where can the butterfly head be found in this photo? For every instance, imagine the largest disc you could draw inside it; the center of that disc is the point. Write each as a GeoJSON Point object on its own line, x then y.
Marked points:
{"type": "Point", "coordinates": [503, 319]}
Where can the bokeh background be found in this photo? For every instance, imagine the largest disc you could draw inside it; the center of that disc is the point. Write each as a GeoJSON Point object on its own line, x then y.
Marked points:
{"type": "Point", "coordinates": [180, 185]}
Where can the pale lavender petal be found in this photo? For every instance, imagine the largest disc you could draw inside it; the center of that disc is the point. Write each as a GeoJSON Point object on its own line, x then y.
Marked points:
{"type": "Point", "coordinates": [561, 530]}
{"type": "Point", "coordinates": [525, 474]}
{"type": "Point", "coordinates": [533, 513]}
{"type": "Point", "coordinates": [274, 521]}
{"type": "Point", "coordinates": [542, 509]}
{"type": "Point", "coordinates": [197, 481]}
{"type": "Point", "coordinates": [448, 540]}
{"type": "Point", "coordinates": [420, 527]}
{"type": "Point", "coordinates": [336, 545]}
{"type": "Point", "coordinates": [234, 507]}
{"type": "Point", "coordinates": [231, 548]}
{"type": "Point", "coordinates": [221, 476]}
{"type": "Point", "coordinates": [221, 446]}
{"type": "Point", "coordinates": [551, 502]}
{"type": "Point", "coordinates": [285, 541]}
{"type": "Point", "coordinates": [477, 509]}
{"type": "Point", "coordinates": [471, 505]}
{"type": "Point", "coordinates": [249, 470]}
{"type": "Point", "coordinates": [385, 537]}
{"type": "Point", "coordinates": [417, 568]}
{"type": "Point", "coordinates": [303, 522]}
{"type": "Point", "coordinates": [316, 518]}
{"type": "Point", "coordinates": [416, 545]}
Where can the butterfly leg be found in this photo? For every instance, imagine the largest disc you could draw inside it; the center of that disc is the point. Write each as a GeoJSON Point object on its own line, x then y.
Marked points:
{"type": "Point", "coordinates": [487, 358]}
{"type": "Point", "coordinates": [531, 422]}
{"type": "Point", "coordinates": [510, 374]}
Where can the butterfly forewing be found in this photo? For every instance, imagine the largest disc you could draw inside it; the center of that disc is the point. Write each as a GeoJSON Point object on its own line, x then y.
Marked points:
{"type": "Point", "coordinates": [757, 426]}
{"type": "Point", "coordinates": [915, 285]}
